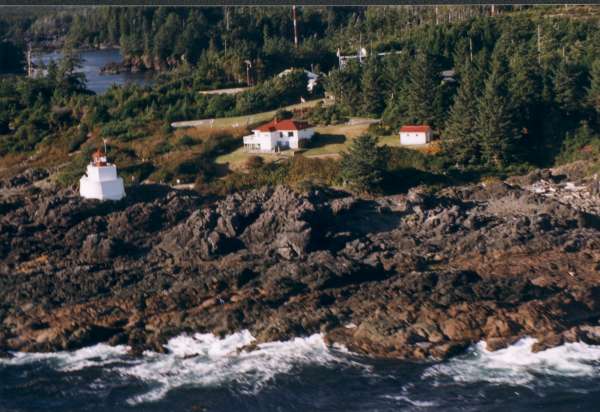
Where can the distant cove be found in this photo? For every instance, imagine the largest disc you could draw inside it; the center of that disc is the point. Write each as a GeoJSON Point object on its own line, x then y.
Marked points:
{"type": "Point", "coordinates": [93, 61]}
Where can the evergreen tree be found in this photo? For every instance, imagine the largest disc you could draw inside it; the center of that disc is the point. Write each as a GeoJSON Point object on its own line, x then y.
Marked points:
{"type": "Point", "coordinates": [495, 126]}
{"type": "Point", "coordinates": [372, 94]}
{"type": "Point", "coordinates": [567, 87]}
{"type": "Point", "coordinates": [345, 87]}
{"type": "Point", "coordinates": [593, 92]}
{"type": "Point", "coordinates": [460, 141]}
{"type": "Point", "coordinates": [363, 164]}
{"type": "Point", "coordinates": [68, 75]}
{"type": "Point", "coordinates": [423, 92]}
{"type": "Point", "coordinates": [525, 85]}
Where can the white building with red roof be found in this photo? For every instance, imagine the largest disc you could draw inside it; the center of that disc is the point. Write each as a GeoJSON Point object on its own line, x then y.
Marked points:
{"type": "Point", "coordinates": [278, 135]}
{"type": "Point", "coordinates": [415, 134]}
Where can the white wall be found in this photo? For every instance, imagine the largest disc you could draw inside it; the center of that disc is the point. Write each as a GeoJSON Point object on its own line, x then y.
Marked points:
{"type": "Point", "coordinates": [408, 138]}
{"type": "Point", "coordinates": [96, 185]}
{"type": "Point", "coordinates": [102, 173]}
{"type": "Point", "coordinates": [266, 140]}
{"type": "Point", "coordinates": [269, 140]}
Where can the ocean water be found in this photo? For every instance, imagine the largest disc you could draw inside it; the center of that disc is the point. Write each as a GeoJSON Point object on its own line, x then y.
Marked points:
{"type": "Point", "coordinates": [204, 373]}
{"type": "Point", "coordinates": [92, 62]}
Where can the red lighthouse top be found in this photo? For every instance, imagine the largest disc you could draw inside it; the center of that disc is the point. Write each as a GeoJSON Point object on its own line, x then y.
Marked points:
{"type": "Point", "coordinates": [99, 158]}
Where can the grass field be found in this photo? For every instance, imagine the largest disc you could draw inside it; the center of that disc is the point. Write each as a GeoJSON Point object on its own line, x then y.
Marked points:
{"type": "Point", "coordinates": [329, 143]}
{"type": "Point", "coordinates": [243, 121]}
{"type": "Point", "coordinates": [331, 140]}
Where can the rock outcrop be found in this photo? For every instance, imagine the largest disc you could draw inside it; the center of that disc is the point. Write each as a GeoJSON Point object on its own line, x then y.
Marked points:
{"type": "Point", "coordinates": [407, 276]}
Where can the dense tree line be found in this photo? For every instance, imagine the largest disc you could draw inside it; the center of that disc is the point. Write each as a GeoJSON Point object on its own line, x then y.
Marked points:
{"type": "Point", "coordinates": [164, 37]}
{"type": "Point", "coordinates": [514, 97]}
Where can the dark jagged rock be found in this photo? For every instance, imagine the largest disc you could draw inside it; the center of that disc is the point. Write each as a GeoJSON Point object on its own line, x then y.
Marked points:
{"type": "Point", "coordinates": [409, 276]}
{"type": "Point", "coordinates": [24, 179]}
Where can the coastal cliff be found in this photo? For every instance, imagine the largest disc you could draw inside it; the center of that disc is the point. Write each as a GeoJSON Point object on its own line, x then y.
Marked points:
{"type": "Point", "coordinates": [424, 274]}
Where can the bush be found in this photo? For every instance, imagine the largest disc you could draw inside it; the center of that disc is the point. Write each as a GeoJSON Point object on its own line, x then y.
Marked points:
{"type": "Point", "coordinates": [167, 128]}
{"type": "Point", "coordinates": [187, 141]}
{"type": "Point", "coordinates": [326, 115]}
{"type": "Point", "coordinates": [72, 172]}
{"type": "Point", "coordinates": [316, 171]}
{"type": "Point", "coordinates": [162, 148]}
{"type": "Point", "coordinates": [254, 162]}
{"type": "Point", "coordinates": [79, 138]}
{"type": "Point", "coordinates": [581, 145]}
{"type": "Point", "coordinates": [283, 114]}
{"type": "Point", "coordinates": [161, 176]}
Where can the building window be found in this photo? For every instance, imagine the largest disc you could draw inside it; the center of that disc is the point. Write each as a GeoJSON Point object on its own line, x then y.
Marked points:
{"type": "Point", "coordinates": [290, 134]}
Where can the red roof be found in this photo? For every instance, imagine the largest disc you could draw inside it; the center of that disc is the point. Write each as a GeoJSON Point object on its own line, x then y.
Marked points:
{"type": "Point", "coordinates": [287, 124]}
{"type": "Point", "coordinates": [415, 129]}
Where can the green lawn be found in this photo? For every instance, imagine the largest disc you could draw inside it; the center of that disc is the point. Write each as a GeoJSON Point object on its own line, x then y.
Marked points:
{"type": "Point", "coordinates": [331, 140]}
{"type": "Point", "coordinates": [391, 140]}
{"type": "Point", "coordinates": [243, 121]}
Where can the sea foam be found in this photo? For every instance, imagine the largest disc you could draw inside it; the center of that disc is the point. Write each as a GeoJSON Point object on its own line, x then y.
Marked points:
{"type": "Point", "coordinates": [204, 360]}
{"type": "Point", "coordinates": [97, 355]}
{"type": "Point", "coordinates": [518, 364]}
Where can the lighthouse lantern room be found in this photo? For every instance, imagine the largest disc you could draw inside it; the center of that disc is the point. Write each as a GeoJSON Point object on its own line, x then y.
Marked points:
{"type": "Point", "coordinates": [101, 180]}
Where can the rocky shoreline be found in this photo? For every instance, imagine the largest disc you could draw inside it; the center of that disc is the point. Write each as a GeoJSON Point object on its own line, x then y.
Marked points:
{"type": "Point", "coordinates": [408, 276]}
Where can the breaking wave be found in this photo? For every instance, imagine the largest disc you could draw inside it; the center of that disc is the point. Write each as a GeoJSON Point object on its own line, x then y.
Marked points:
{"type": "Point", "coordinates": [519, 365]}
{"type": "Point", "coordinates": [205, 360]}
{"type": "Point", "coordinates": [200, 359]}
{"type": "Point", "coordinates": [97, 355]}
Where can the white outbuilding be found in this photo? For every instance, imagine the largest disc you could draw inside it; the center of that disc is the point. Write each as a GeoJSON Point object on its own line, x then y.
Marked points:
{"type": "Point", "coordinates": [278, 135]}
{"type": "Point", "coordinates": [101, 181]}
{"type": "Point", "coordinates": [415, 134]}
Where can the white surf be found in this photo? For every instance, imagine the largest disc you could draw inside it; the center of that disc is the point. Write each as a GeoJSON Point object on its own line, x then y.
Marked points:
{"type": "Point", "coordinates": [204, 360]}
{"type": "Point", "coordinates": [518, 364]}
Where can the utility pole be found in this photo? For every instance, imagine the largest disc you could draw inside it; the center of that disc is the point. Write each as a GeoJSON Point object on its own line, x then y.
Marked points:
{"type": "Point", "coordinates": [295, 26]}
{"type": "Point", "coordinates": [470, 50]}
{"type": "Point", "coordinates": [539, 44]}
{"type": "Point", "coordinates": [226, 27]}
{"type": "Point", "coordinates": [248, 66]}
{"type": "Point", "coordinates": [29, 65]}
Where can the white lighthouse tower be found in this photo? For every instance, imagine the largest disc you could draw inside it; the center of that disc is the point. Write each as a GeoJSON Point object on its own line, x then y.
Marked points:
{"type": "Point", "coordinates": [101, 180]}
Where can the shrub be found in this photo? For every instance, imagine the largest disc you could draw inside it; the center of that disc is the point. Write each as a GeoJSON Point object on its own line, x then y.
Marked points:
{"type": "Point", "coordinates": [162, 176]}
{"type": "Point", "coordinates": [254, 162]}
{"type": "Point", "coordinates": [283, 114]}
{"type": "Point", "coordinates": [167, 128]}
{"type": "Point", "coordinates": [79, 138]}
{"type": "Point", "coordinates": [326, 115]}
{"type": "Point", "coordinates": [187, 140]}
{"type": "Point", "coordinates": [317, 171]}
{"type": "Point", "coordinates": [162, 148]}
{"type": "Point", "coordinates": [581, 145]}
